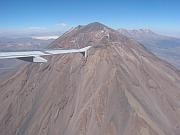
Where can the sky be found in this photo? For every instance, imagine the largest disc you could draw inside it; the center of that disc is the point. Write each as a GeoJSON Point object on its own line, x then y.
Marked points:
{"type": "Point", "coordinates": [18, 16]}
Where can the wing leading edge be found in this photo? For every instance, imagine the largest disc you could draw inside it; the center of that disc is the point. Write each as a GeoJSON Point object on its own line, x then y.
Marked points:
{"type": "Point", "coordinates": [35, 56]}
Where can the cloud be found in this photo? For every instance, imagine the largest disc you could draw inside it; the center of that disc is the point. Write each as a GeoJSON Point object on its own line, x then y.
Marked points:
{"type": "Point", "coordinates": [45, 37]}
{"type": "Point", "coordinates": [62, 25]}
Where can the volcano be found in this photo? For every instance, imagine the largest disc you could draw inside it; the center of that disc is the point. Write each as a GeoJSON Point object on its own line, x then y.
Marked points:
{"type": "Point", "coordinates": [165, 47]}
{"type": "Point", "coordinates": [121, 88]}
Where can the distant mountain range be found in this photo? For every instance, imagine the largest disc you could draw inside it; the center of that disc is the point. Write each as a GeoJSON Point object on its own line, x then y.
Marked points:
{"type": "Point", "coordinates": [165, 47]}
{"type": "Point", "coordinates": [24, 43]}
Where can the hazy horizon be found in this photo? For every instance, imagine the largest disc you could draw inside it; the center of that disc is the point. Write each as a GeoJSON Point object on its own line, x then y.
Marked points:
{"type": "Point", "coordinates": [57, 32]}
{"type": "Point", "coordinates": [161, 16]}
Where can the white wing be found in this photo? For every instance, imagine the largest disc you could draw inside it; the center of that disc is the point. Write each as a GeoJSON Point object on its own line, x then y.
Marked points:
{"type": "Point", "coordinates": [35, 56]}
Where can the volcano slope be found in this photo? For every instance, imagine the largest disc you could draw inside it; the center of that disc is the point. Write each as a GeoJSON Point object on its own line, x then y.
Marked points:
{"type": "Point", "coordinates": [120, 89]}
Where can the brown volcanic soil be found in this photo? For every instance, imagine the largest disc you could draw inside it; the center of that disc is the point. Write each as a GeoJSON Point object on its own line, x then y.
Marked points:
{"type": "Point", "coordinates": [120, 89]}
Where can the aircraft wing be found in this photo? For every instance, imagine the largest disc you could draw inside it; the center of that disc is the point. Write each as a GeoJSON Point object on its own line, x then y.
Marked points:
{"type": "Point", "coordinates": [35, 56]}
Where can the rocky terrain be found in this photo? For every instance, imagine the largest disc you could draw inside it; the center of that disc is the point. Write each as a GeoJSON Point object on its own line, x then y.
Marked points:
{"type": "Point", "coordinates": [121, 88]}
{"type": "Point", "coordinates": [165, 47]}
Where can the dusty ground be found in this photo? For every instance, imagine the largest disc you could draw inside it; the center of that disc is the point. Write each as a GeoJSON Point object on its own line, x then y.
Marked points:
{"type": "Point", "coordinates": [120, 89]}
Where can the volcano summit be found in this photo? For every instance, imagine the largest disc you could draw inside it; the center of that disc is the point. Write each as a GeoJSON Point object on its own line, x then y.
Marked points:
{"type": "Point", "coordinates": [120, 89]}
